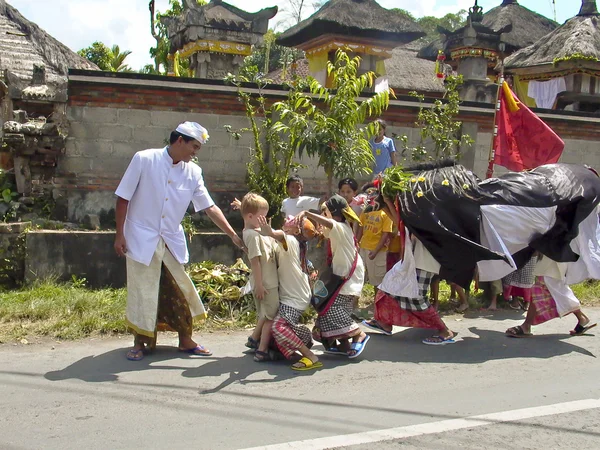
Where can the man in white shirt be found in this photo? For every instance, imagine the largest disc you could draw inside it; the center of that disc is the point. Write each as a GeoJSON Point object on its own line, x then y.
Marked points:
{"type": "Point", "coordinates": [153, 196]}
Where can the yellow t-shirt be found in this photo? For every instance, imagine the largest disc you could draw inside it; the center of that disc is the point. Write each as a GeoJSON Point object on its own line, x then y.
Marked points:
{"type": "Point", "coordinates": [375, 223]}
{"type": "Point", "coordinates": [264, 248]}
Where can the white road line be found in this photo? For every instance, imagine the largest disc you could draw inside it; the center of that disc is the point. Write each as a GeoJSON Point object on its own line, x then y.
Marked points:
{"type": "Point", "coordinates": [434, 427]}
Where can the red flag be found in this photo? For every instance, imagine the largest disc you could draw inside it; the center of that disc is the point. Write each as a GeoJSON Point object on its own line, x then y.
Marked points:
{"type": "Point", "coordinates": [523, 140]}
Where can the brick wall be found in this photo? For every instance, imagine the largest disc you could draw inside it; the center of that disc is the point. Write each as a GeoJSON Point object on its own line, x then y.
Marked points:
{"type": "Point", "coordinates": [113, 116]}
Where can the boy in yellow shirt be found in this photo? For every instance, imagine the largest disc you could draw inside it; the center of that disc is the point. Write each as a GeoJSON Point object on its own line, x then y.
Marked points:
{"type": "Point", "coordinates": [373, 237]}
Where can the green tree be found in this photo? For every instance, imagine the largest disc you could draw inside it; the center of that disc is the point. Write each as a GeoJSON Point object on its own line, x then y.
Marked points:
{"type": "Point", "coordinates": [99, 54]}
{"type": "Point", "coordinates": [450, 22]}
{"type": "Point", "coordinates": [108, 59]}
{"type": "Point", "coordinates": [440, 129]}
{"type": "Point", "coordinates": [117, 60]}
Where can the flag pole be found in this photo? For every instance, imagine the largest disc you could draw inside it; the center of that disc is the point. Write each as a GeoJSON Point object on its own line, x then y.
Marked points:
{"type": "Point", "coordinates": [490, 170]}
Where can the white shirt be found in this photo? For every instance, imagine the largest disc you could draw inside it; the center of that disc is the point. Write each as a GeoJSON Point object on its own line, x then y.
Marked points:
{"type": "Point", "coordinates": [294, 289]}
{"type": "Point", "coordinates": [294, 206]}
{"type": "Point", "coordinates": [159, 193]}
{"type": "Point", "coordinates": [344, 251]}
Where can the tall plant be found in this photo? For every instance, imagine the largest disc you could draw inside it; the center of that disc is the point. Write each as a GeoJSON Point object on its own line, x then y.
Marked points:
{"type": "Point", "coordinates": [272, 153]}
{"type": "Point", "coordinates": [325, 123]}
{"type": "Point", "coordinates": [441, 132]}
{"type": "Point", "coordinates": [340, 138]}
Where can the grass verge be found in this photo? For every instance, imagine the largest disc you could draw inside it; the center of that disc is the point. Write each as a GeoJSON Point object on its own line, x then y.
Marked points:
{"type": "Point", "coordinates": [69, 311]}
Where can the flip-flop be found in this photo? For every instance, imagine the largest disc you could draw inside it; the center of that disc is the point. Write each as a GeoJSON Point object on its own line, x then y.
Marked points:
{"type": "Point", "coordinates": [199, 350]}
{"type": "Point", "coordinates": [135, 355]}
{"type": "Point", "coordinates": [252, 343]}
{"type": "Point", "coordinates": [580, 329]}
{"type": "Point", "coordinates": [517, 332]}
{"type": "Point", "coordinates": [335, 351]}
{"type": "Point", "coordinates": [374, 325]}
{"type": "Point", "coordinates": [308, 365]}
{"type": "Point", "coordinates": [439, 340]}
{"type": "Point", "coordinates": [358, 347]}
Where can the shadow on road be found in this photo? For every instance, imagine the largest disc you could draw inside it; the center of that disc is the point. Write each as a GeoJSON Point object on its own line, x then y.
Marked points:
{"type": "Point", "coordinates": [489, 345]}
{"type": "Point", "coordinates": [405, 346]}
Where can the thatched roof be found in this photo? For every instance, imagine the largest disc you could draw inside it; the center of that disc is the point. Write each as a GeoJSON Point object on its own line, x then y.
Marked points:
{"type": "Point", "coordinates": [404, 71]}
{"type": "Point", "coordinates": [23, 44]}
{"type": "Point", "coordinates": [527, 27]}
{"type": "Point", "coordinates": [357, 18]}
{"type": "Point", "coordinates": [579, 35]}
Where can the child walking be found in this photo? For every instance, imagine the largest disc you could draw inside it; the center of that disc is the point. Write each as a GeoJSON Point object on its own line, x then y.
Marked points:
{"type": "Point", "coordinates": [290, 336]}
{"type": "Point", "coordinates": [264, 278]}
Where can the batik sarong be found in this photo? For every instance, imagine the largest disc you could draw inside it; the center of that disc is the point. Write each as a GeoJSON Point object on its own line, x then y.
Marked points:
{"type": "Point", "coordinates": [161, 296]}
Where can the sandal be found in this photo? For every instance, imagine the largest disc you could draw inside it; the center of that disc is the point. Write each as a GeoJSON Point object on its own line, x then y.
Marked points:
{"type": "Point", "coordinates": [198, 350]}
{"type": "Point", "coordinates": [135, 355]}
{"type": "Point", "coordinates": [358, 347]}
{"type": "Point", "coordinates": [252, 343]}
{"type": "Point", "coordinates": [306, 364]}
{"type": "Point", "coordinates": [439, 340]}
{"type": "Point", "coordinates": [517, 332]}
{"type": "Point", "coordinates": [580, 329]}
{"type": "Point", "coordinates": [374, 325]}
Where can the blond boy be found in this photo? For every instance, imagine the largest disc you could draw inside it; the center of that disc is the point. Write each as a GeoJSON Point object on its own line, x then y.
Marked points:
{"type": "Point", "coordinates": [261, 252]}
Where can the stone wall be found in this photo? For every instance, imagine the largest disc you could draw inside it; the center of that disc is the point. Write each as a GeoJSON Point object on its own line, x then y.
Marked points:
{"type": "Point", "coordinates": [113, 116]}
{"type": "Point", "coordinates": [90, 255]}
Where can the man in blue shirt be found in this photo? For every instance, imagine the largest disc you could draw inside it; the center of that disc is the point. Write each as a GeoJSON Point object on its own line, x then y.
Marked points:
{"type": "Point", "coordinates": [383, 150]}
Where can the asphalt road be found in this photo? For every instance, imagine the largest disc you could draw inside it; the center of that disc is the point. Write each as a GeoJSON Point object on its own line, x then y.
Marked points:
{"type": "Point", "coordinates": [467, 395]}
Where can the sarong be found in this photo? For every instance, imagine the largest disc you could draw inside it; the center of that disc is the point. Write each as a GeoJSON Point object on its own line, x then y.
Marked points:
{"type": "Point", "coordinates": [337, 322]}
{"type": "Point", "coordinates": [161, 296]}
{"type": "Point", "coordinates": [409, 312]}
{"type": "Point", "coordinates": [543, 302]}
{"type": "Point", "coordinates": [288, 333]}
{"type": "Point", "coordinates": [388, 311]}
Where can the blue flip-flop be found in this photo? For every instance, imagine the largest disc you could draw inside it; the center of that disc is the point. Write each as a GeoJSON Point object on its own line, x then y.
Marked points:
{"type": "Point", "coordinates": [358, 347]}
{"type": "Point", "coordinates": [197, 351]}
{"type": "Point", "coordinates": [375, 326]}
{"type": "Point", "coordinates": [439, 340]}
{"type": "Point", "coordinates": [335, 351]}
{"type": "Point", "coordinates": [135, 355]}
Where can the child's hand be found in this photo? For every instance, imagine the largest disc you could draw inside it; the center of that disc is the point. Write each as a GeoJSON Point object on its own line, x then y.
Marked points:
{"type": "Point", "coordinates": [235, 204]}
{"type": "Point", "coordinates": [372, 254]}
{"type": "Point", "coordinates": [265, 226]}
{"type": "Point", "coordinates": [259, 292]}
{"type": "Point", "coordinates": [314, 275]}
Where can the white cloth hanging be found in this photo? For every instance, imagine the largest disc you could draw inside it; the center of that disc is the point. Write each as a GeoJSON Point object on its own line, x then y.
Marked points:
{"type": "Point", "coordinates": [545, 92]}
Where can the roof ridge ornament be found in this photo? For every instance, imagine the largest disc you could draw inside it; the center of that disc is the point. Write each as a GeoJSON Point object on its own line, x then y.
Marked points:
{"type": "Point", "coordinates": [475, 13]}
{"type": "Point", "coordinates": [588, 8]}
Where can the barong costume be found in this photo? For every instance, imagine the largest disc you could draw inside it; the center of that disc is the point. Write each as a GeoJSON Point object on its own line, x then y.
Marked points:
{"type": "Point", "coordinates": [496, 225]}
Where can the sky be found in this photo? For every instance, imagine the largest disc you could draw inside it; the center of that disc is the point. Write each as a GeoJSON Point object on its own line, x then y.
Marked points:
{"type": "Point", "coordinates": [78, 23]}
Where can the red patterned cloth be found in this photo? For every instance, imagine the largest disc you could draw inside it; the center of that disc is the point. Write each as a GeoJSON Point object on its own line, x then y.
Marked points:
{"type": "Point", "coordinates": [288, 333]}
{"type": "Point", "coordinates": [389, 312]}
{"type": "Point", "coordinates": [542, 301]}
